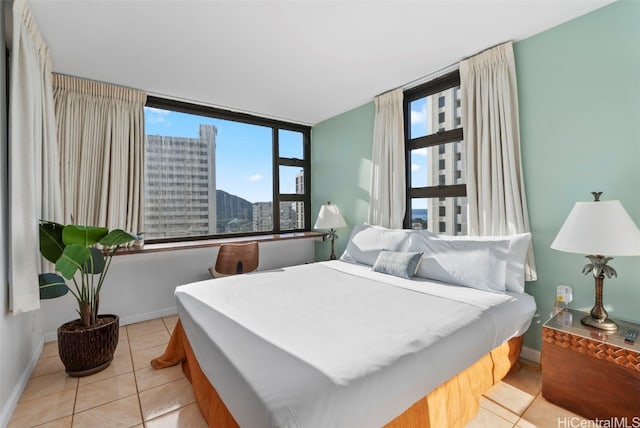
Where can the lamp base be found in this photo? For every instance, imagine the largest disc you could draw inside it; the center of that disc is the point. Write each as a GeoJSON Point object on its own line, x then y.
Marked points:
{"type": "Point", "coordinates": [333, 252]}
{"type": "Point", "coordinates": [605, 324]}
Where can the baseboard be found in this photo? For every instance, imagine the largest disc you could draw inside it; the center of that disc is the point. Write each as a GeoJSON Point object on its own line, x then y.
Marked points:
{"type": "Point", "coordinates": [530, 354]}
{"type": "Point", "coordinates": [52, 336]}
{"type": "Point", "coordinates": [131, 319]}
{"type": "Point", "coordinates": [18, 389]}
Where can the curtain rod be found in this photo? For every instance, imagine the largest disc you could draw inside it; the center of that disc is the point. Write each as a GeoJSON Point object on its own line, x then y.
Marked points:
{"type": "Point", "coordinates": [231, 109]}
{"type": "Point", "coordinates": [425, 78]}
{"type": "Point", "coordinates": [440, 72]}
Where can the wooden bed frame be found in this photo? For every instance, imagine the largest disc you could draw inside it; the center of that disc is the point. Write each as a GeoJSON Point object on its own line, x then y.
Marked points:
{"type": "Point", "coordinates": [451, 405]}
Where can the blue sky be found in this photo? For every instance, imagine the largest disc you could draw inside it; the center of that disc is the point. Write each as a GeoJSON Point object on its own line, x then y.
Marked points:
{"type": "Point", "coordinates": [243, 152]}
{"type": "Point", "coordinates": [419, 127]}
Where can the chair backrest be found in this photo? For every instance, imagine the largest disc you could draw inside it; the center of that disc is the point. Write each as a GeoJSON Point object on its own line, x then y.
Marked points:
{"type": "Point", "coordinates": [237, 258]}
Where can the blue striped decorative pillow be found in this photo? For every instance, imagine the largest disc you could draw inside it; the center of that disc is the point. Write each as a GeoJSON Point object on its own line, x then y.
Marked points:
{"type": "Point", "coordinates": [397, 263]}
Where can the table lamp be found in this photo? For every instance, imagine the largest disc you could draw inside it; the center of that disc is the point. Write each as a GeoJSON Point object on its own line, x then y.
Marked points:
{"type": "Point", "coordinates": [330, 218]}
{"type": "Point", "coordinates": [599, 229]}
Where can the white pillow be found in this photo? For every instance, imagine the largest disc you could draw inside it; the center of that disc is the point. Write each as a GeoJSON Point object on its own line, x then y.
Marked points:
{"type": "Point", "coordinates": [366, 242]}
{"type": "Point", "coordinates": [474, 264]}
{"type": "Point", "coordinates": [516, 256]}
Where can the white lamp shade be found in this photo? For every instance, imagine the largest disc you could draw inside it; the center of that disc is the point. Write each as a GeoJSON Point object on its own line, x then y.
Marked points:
{"type": "Point", "coordinates": [599, 228]}
{"type": "Point", "coordinates": [329, 217]}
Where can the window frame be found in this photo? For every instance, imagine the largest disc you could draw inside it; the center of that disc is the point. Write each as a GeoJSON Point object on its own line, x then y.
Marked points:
{"type": "Point", "coordinates": [277, 161]}
{"type": "Point", "coordinates": [439, 138]}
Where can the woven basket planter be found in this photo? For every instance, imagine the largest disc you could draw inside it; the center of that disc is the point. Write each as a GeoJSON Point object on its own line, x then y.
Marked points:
{"type": "Point", "coordinates": [87, 350]}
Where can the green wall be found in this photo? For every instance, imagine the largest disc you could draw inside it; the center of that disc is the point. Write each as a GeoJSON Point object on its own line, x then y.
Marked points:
{"type": "Point", "coordinates": [579, 96]}
{"type": "Point", "coordinates": [341, 170]}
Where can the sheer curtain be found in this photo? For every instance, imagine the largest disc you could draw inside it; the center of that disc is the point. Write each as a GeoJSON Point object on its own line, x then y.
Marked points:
{"type": "Point", "coordinates": [34, 187]}
{"type": "Point", "coordinates": [388, 188]}
{"type": "Point", "coordinates": [495, 184]}
{"type": "Point", "coordinates": [101, 142]}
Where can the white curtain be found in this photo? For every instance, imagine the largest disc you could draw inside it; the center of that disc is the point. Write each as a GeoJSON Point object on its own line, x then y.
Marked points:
{"type": "Point", "coordinates": [101, 142]}
{"type": "Point", "coordinates": [388, 188]}
{"type": "Point", "coordinates": [34, 186]}
{"type": "Point", "coordinates": [495, 184]}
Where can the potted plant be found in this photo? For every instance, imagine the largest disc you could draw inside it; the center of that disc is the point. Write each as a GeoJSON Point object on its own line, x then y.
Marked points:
{"type": "Point", "coordinates": [86, 345]}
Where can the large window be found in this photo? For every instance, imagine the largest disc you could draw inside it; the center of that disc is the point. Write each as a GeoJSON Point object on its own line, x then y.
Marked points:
{"type": "Point", "coordinates": [213, 173]}
{"type": "Point", "coordinates": [436, 190]}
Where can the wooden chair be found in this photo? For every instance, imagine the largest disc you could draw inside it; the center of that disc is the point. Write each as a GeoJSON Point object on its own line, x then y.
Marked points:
{"type": "Point", "coordinates": [234, 259]}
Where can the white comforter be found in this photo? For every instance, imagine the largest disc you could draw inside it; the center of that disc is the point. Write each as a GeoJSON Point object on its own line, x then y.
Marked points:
{"type": "Point", "coordinates": [335, 344]}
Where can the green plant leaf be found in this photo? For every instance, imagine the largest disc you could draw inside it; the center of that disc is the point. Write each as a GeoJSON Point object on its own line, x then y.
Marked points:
{"type": "Point", "coordinates": [84, 236]}
{"type": "Point", "coordinates": [117, 237]}
{"type": "Point", "coordinates": [51, 244]}
{"type": "Point", "coordinates": [51, 286]}
{"type": "Point", "coordinates": [73, 258]}
{"type": "Point", "coordinates": [98, 261]}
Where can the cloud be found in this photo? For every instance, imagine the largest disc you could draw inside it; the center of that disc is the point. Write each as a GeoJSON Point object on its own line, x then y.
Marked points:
{"type": "Point", "coordinates": [418, 116]}
{"type": "Point", "coordinates": [156, 115]}
{"type": "Point", "coordinates": [421, 152]}
{"type": "Point", "coordinates": [415, 167]}
{"type": "Point", "coordinates": [255, 177]}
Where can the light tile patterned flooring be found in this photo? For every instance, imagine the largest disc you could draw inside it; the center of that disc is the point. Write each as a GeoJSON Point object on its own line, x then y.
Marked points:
{"type": "Point", "coordinates": [130, 393]}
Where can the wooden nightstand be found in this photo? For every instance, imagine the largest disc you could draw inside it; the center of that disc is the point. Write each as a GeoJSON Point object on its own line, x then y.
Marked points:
{"type": "Point", "coordinates": [588, 371]}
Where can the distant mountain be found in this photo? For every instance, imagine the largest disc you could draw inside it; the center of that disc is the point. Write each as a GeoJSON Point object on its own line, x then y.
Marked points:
{"type": "Point", "coordinates": [230, 206]}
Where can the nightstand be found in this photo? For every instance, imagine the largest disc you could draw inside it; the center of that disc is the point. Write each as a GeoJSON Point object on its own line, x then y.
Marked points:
{"type": "Point", "coordinates": [590, 372]}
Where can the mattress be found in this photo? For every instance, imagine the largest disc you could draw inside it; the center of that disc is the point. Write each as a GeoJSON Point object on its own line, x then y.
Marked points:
{"type": "Point", "coordinates": [334, 344]}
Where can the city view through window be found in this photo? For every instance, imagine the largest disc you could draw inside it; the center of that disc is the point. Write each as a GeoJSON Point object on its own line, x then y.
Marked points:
{"type": "Point", "coordinates": [207, 176]}
{"type": "Point", "coordinates": [435, 150]}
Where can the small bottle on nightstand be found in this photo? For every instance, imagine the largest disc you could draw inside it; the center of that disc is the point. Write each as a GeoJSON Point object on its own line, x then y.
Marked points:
{"type": "Point", "coordinates": [564, 318]}
{"type": "Point", "coordinates": [558, 306]}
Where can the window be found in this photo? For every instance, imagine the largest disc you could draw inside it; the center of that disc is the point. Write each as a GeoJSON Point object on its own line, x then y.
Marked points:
{"type": "Point", "coordinates": [214, 173]}
{"type": "Point", "coordinates": [436, 189]}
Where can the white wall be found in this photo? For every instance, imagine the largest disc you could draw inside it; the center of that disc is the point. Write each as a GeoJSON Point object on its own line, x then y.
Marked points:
{"type": "Point", "coordinates": [141, 286]}
{"type": "Point", "coordinates": [20, 337]}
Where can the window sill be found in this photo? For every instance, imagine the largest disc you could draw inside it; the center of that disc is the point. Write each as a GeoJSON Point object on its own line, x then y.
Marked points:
{"type": "Point", "coordinates": [207, 243]}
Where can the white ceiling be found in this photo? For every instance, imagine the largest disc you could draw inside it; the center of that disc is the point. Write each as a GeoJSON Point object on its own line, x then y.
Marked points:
{"type": "Point", "coordinates": [301, 61]}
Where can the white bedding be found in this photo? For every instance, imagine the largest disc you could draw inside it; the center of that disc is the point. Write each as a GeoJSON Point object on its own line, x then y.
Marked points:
{"type": "Point", "coordinates": [334, 344]}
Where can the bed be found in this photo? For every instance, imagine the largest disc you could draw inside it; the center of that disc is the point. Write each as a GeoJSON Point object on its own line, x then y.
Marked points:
{"type": "Point", "coordinates": [337, 344]}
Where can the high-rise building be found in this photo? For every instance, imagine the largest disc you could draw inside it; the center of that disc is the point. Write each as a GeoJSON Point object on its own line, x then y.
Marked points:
{"type": "Point", "coordinates": [446, 165]}
{"type": "Point", "coordinates": [291, 213]}
{"type": "Point", "coordinates": [262, 216]}
{"type": "Point", "coordinates": [180, 185]}
{"type": "Point", "coordinates": [287, 215]}
{"type": "Point", "coordinates": [300, 205]}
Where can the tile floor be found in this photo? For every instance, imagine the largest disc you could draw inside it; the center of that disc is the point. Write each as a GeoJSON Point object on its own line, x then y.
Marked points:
{"type": "Point", "coordinates": [130, 393]}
